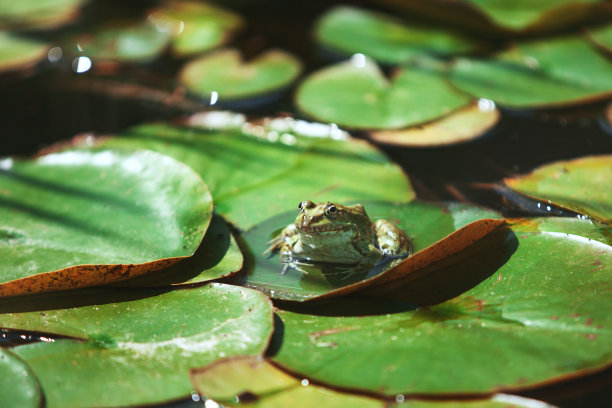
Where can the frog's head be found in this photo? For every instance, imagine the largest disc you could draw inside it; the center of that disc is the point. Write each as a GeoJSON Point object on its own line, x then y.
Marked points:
{"type": "Point", "coordinates": [330, 219]}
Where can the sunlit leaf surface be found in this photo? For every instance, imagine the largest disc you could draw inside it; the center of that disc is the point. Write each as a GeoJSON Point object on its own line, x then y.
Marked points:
{"type": "Point", "coordinates": [140, 344]}
{"type": "Point", "coordinates": [19, 387]}
{"type": "Point", "coordinates": [543, 73]}
{"type": "Point", "coordinates": [19, 52]}
{"type": "Point", "coordinates": [38, 13]}
{"type": "Point", "coordinates": [541, 317]}
{"type": "Point", "coordinates": [357, 94]}
{"type": "Point", "coordinates": [81, 218]}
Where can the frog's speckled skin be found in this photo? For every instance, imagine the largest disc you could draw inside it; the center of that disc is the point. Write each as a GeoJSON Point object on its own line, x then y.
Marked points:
{"type": "Point", "coordinates": [338, 234]}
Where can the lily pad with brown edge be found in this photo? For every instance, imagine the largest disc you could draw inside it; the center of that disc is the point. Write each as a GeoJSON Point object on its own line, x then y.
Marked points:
{"type": "Point", "coordinates": [581, 185]}
{"type": "Point", "coordinates": [19, 53]}
{"type": "Point", "coordinates": [84, 218]}
{"type": "Point", "coordinates": [356, 94]}
{"type": "Point", "coordinates": [546, 73]}
{"type": "Point", "coordinates": [386, 39]}
{"type": "Point", "coordinates": [541, 318]}
{"type": "Point", "coordinates": [460, 126]}
{"type": "Point", "coordinates": [256, 382]}
{"type": "Point", "coordinates": [19, 386]}
{"type": "Point", "coordinates": [602, 36]}
{"type": "Point", "coordinates": [500, 18]}
{"type": "Point", "coordinates": [38, 14]}
{"type": "Point", "coordinates": [218, 256]}
{"type": "Point", "coordinates": [576, 227]}
{"type": "Point", "coordinates": [121, 42]}
{"type": "Point", "coordinates": [253, 176]}
{"type": "Point", "coordinates": [439, 235]}
{"type": "Point", "coordinates": [195, 26]}
{"type": "Point", "coordinates": [230, 77]}
{"type": "Point", "coordinates": [138, 343]}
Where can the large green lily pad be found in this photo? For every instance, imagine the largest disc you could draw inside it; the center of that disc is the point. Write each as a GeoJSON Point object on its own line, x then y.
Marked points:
{"type": "Point", "coordinates": [460, 126]}
{"type": "Point", "coordinates": [356, 94]}
{"type": "Point", "coordinates": [225, 73]}
{"type": "Point", "coordinates": [19, 387]}
{"type": "Point", "coordinates": [82, 218]}
{"type": "Point", "coordinates": [195, 26]}
{"type": "Point", "coordinates": [140, 344]}
{"type": "Point", "coordinates": [426, 224]}
{"type": "Point", "coordinates": [542, 317]}
{"type": "Point", "coordinates": [252, 178]}
{"type": "Point", "coordinates": [384, 38]}
{"type": "Point", "coordinates": [38, 13]}
{"type": "Point", "coordinates": [582, 185]}
{"type": "Point", "coordinates": [544, 73]}
{"type": "Point", "coordinates": [124, 42]}
{"type": "Point", "coordinates": [19, 53]}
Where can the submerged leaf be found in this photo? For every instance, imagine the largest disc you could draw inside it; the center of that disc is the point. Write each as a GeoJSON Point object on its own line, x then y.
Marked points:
{"type": "Point", "coordinates": [141, 346]}
{"type": "Point", "coordinates": [83, 218]}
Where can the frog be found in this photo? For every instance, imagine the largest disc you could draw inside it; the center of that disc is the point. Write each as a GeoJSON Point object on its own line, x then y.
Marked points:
{"type": "Point", "coordinates": [338, 234]}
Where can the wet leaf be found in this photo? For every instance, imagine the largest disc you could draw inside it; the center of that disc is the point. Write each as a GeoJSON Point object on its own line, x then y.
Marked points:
{"type": "Point", "coordinates": [83, 218]}
{"type": "Point", "coordinates": [582, 185]}
{"type": "Point", "coordinates": [19, 52]}
{"type": "Point", "coordinates": [602, 36]}
{"type": "Point", "coordinates": [195, 26]}
{"type": "Point", "coordinates": [356, 94]}
{"type": "Point", "coordinates": [544, 73]}
{"type": "Point", "coordinates": [261, 384]}
{"type": "Point", "coordinates": [582, 227]}
{"type": "Point", "coordinates": [496, 401]}
{"type": "Point", "coordinates": [459, 126]}
{"type": "Point", "coordinates": [225, 73]}
{"type": "Point", "coordinates": [542, 317]}
{"type": "Point", "coordinates": [252, 178]}
{"type": "Point", "coordinates": [124, 42]}
{"type": "Point", "coordinates": [428, 226]}
{"type": "Point", "coordinates": [386, 39]}
{"type": "Point", "coordinates": [38, 14]}
{"type": "Point", "coordinates": [19, 387]}
{"type": "Point", "coordinates": [141, 346]}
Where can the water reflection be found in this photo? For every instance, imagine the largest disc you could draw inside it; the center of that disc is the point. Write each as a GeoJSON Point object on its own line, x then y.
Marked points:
{"type": "Point", "coordinates": [81, 64]}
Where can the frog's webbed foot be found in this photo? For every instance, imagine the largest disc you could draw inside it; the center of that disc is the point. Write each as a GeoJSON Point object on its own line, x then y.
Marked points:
{"type": "Point", "coordinates": [289, 263]}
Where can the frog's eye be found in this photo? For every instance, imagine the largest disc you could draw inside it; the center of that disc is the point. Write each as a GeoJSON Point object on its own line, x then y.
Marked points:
{"type": "Point", "coordinates": [331, 210]}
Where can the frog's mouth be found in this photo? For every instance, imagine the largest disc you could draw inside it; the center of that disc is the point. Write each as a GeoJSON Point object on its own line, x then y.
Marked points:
{"type": "Point", "coordinates": [323, 228]}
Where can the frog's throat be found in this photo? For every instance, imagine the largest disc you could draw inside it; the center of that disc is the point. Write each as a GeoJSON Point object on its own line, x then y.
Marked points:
{"type": "Point", "coordinates": [323, 228]}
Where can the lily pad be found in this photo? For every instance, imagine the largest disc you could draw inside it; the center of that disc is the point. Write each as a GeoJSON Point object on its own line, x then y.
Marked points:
{"type": "Point", "coordinates": [542, 317]}
{"type": "Point", "coordinates": [602, 36]}
{"type": "Point", "coordinates": [19, 53]}
{"type": "Point", "coordinates": [384, 38]}
{"type": "Point", "coordinates": [582, 227]}
{"type": "Point", "coordinates": [253, 177]}
{"type": "Point", "coordinates": [544, 73]}
{"type": "Point", "coordinates": [19, 387]}
{"type": "Point", "coordinates": [582, 185]}
{"type": "Point", "coordinates": [255, 382]}
{"type": "Point", "coordinates": [142, 346]}
{"type": "Point", "coordinates": [225, 73]}
{"type": "Point", "coordinates": [38, 14]}
{"type": "Point", "coordinates": [195, 26]}
{"type": "Point", "coordinates": [125, 42]}
{"type": "Point", "coordinates": [427, 225]}
{"type": "Point", "coordinates": [356, 94]}
{"type": "Point", "coordinates": [460, 126]}
{"type": "Point", "coordinates": [83, 218]}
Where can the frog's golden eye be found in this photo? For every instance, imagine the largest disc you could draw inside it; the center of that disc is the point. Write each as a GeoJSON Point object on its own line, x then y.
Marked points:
{"type": "Point", "coordinates": [331, 210]}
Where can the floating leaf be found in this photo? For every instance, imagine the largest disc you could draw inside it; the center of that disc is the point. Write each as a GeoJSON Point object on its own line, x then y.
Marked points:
{"type": "Point", "coordinates": [217, 257]}
{"type": "Point", "coordinates": [542, 317]}
{"type": "Point", "coordinates": [460, 126]}
{"type": "Point", "coordinates": [140, 347]}
{"type": "Point", "coordinates": [582, 185]}
{"type": "Point", "coordinates": [602, 36]}
{"type": "Point", "coordinates": [121, 42]}
{"type": "Point", "coordinates": [195, 26]}
{"type": "Point", "coordinates": [225, 73]}
{"type": "Point", "coordinates": [19, 387]}
{"type": "Point", "coordinates": [252, 178]}
{"type": "Point", "coordinates": [19, 53]}
{"type": "Point", "coordinates": [384, 38]}
{"type": "Point", "coordinates": [82, 218]}
{"type": "Point", "coordinates": [570, 226]}
{"type": "Point", "coordinates": [356, 94]}
{"type": "Point", "coordinates": [544, 73]}
{"type": "Point", "coordinates": [228, 380]}
{"type": "Point", "coordinates": [38, 13]}
{"type": "Point", "coordinates": [426, 224]}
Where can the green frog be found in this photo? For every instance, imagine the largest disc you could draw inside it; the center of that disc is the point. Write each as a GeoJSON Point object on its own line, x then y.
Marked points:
{"type": "Point", "coordinates": [338, 234]}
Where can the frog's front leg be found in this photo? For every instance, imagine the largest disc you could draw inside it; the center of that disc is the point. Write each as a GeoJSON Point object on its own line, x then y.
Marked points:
{"type": "Point", "coordinates": [392, 241]}
{"type": "Point", "coordinates": [284, 241]}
